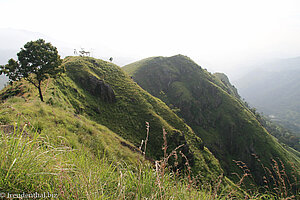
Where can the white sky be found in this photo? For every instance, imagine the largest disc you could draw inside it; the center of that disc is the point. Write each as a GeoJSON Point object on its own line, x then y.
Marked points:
{"type": "Point", "coordinates": [221, 33]}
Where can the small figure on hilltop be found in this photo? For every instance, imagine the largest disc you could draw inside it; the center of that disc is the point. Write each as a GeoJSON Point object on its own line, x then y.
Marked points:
{"type": "Point", "coordinates": [84, 53]}
{"type": "Point", "coordinates": [110, 59]}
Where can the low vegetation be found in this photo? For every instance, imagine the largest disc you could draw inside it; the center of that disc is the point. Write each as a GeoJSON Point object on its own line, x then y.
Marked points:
{"type": "Point", "coordinates": [98, 135]}
{"type": "Point", "coordinates": [34, 164]}
{"type": "Point", "coordinates": [37, 163]}
{"type": "Point", "coordinates": [211, 106]}
{"type": "Point", "coordinates": [286, 137]}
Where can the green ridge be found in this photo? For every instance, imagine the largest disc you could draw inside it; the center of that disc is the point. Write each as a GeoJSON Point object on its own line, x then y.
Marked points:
{"type": "Point", "coordinates": [206, 103]}
{"type": "Point", "coordinates": [83, 140]}
{"type": "Point", "coordinates": [125, 114]}
{"type": "Point", "coordinates": [224, 79]}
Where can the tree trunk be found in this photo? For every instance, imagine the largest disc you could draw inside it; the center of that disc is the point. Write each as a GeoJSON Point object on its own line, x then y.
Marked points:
{"type": "Point", "coordinates": [41, 94]}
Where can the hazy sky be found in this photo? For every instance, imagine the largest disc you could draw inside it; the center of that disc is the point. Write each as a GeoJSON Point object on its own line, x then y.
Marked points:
{"type": "Point", "coordinates": [222, 33]}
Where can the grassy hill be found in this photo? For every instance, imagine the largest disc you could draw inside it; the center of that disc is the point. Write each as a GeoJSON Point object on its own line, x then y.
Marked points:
{"type": "Point", "coordinates": [205, 102]}
{"type": "Point", "coordinates": [97, 110]}
{"type": "Point", "coordinates": [54, 151]}
{"type": "Point", "coordinates": [285, 136]}
{"type": "Point", "coordinates": [58, 151]}
{"type": "Point", "coordinates": [128, 109]}
{"type": "Point", "coordinates": [83, 141]}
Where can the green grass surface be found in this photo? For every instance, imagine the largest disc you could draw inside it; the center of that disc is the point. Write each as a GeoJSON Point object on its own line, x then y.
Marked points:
{"type": "Point", "coordinates": [79, 146]}
{"type": "Point", "coordinates": [36, 165]}
{"type": "Point", "coordinates": [206, 103]}
{"type": "Point", "coordinates": [34, 162]}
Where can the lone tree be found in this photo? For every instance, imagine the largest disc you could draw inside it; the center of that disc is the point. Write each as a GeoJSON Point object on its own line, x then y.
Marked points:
{"type": "Point", "coordinates": [37, 61]}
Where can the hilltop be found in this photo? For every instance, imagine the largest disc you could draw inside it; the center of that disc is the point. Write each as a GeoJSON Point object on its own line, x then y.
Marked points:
{"type": "Point", "coordinates": [210, 106]}
{"type": "Point", "coordinates": [225, 80]}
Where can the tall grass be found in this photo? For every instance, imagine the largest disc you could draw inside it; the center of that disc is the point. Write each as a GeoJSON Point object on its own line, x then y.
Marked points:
{"type": "Point", "coordinates": [31, 163]}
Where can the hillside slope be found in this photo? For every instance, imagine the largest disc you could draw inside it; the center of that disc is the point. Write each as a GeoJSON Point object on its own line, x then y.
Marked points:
{"type": "Point", "coordinates": [101, 92]}
{"type": "Point", "coordinates": [274, 89]}
{"type": "Point", "coordinates": [226, 126]}
{"type": "Point", "coordinates": [224, 79]}
{"type": "Point", "coordinates": [284, 136]}
{"type": "Point", "coordinates": [60, 151]}
{"type": "Point", "coordinates": [72, 156]}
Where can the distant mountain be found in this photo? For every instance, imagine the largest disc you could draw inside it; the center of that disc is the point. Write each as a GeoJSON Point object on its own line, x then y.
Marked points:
{"type": "Point", "coordinates": [12, 40]}
{"type": "Point", "coordinates": [210, 105]}
{"type": "Point", "coordinates": [273, 89]}
{"type": "Point", "coordinates": [6, 54]}
{"type": "Point", "coordinates": [3, 81]}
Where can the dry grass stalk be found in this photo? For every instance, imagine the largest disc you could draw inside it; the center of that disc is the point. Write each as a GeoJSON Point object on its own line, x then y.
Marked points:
{"type": "Point", "coordinates": [144, 142]}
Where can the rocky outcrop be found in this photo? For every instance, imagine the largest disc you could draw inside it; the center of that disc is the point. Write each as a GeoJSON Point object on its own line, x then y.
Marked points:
{"type": "Point", "coordinates": [99, 88]}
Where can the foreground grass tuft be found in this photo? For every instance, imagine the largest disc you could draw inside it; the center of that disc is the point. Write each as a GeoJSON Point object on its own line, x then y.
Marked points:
{"type": "Point", "coordinates": [32, 163]}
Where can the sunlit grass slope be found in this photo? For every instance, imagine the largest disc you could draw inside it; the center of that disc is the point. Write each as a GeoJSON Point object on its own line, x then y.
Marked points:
{"type": "Point", "coordinates": [83, 144]}
{"type": "Point", "coordinates": [132, 108]}
{"type": "Point", "coordinates": [226, 126]}
{"type": "Point", "coordinates": [73, 112]}
{"type": "Point", "coordinates": [34, 162]}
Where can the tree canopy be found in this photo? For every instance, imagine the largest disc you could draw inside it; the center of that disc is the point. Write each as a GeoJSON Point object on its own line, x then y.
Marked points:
{"type": "Point", "coordinates": [36, 62]}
